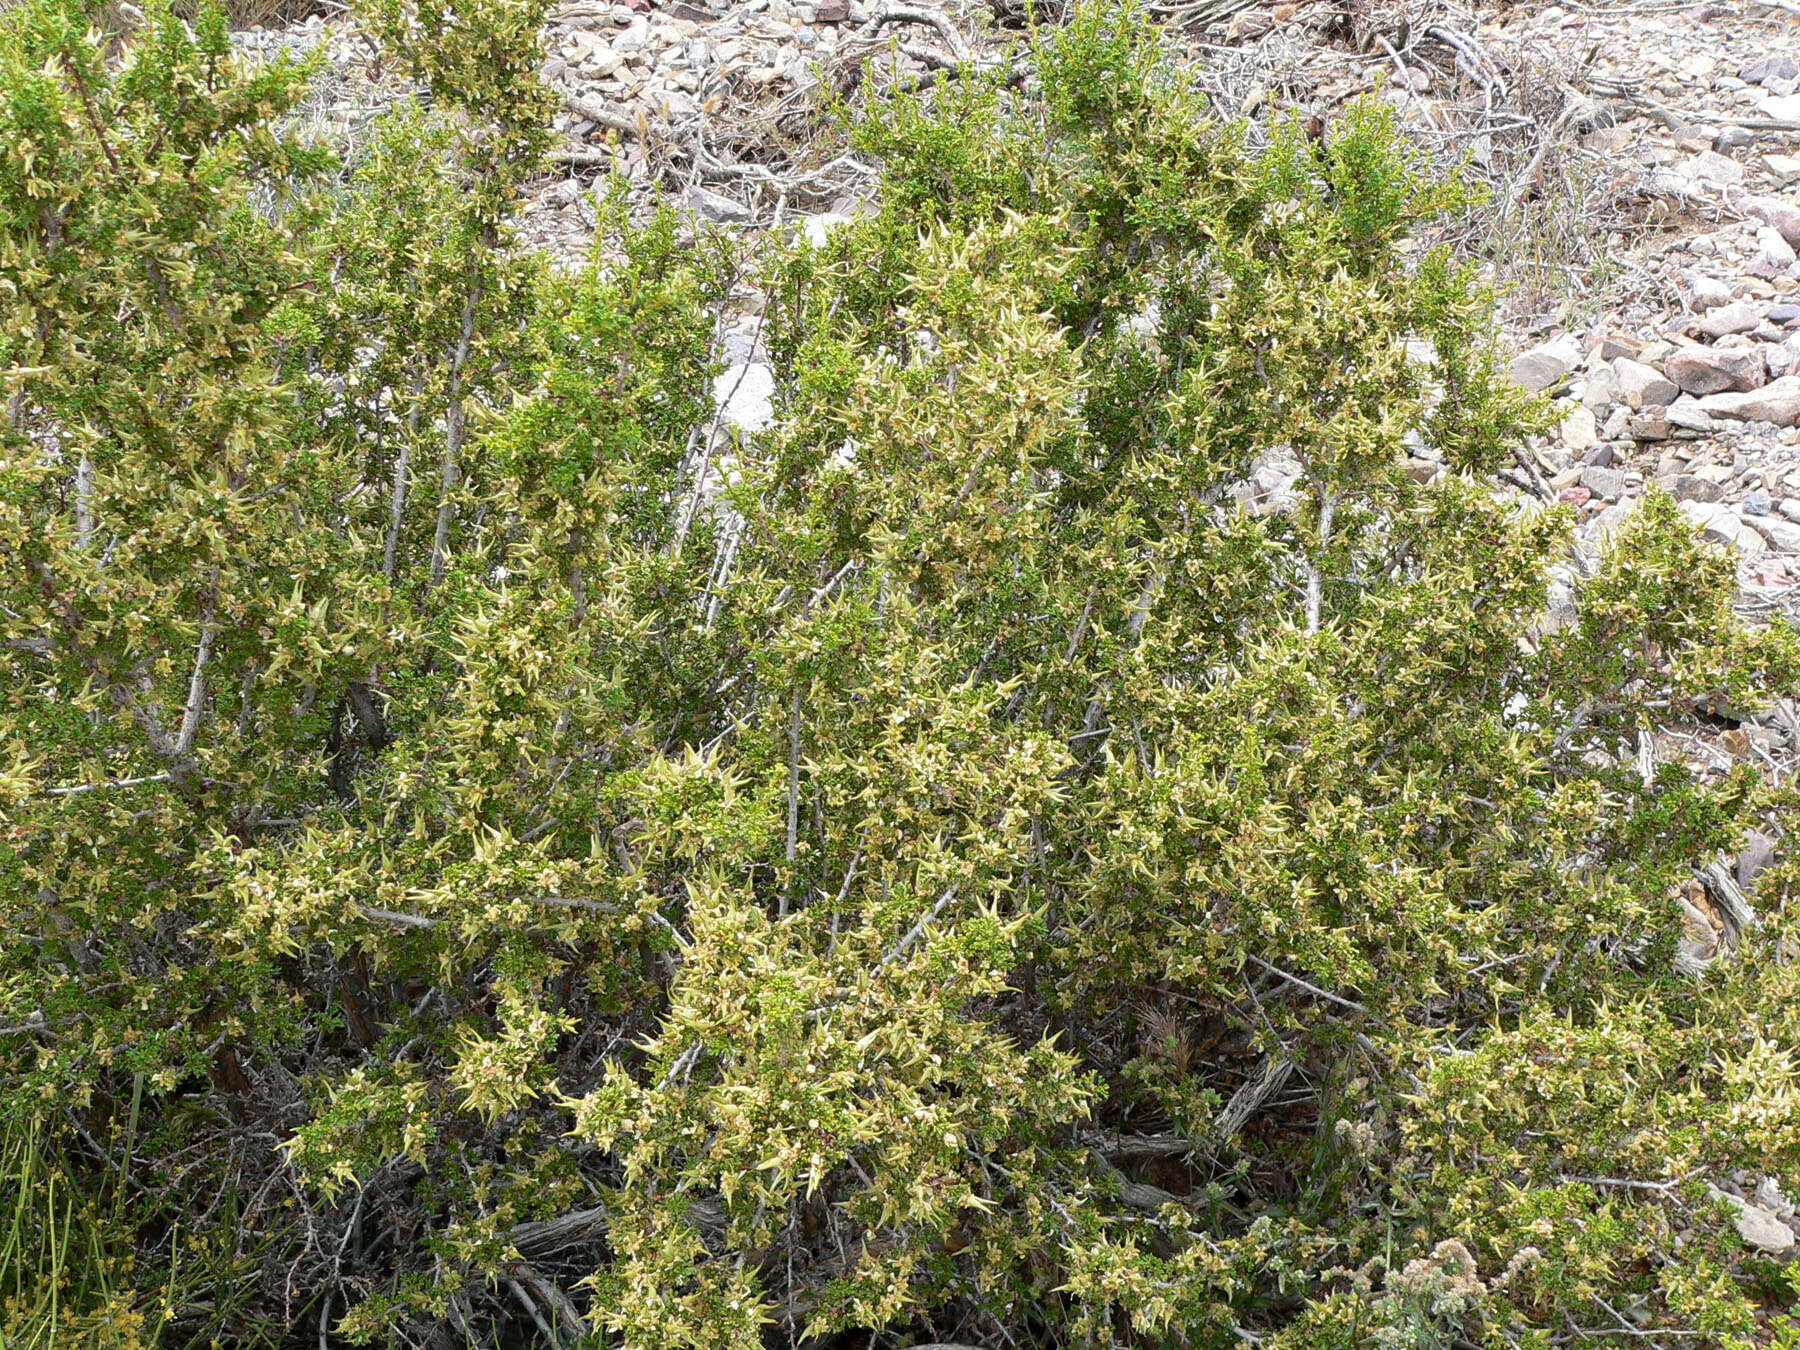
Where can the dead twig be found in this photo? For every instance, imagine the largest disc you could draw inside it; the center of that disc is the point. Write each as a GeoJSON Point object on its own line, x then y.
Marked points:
{"type": "Point", "coordinates": [930, 18]}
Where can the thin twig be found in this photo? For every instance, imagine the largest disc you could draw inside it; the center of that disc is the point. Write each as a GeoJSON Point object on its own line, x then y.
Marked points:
{"type": "Point", "coordinates": [1295, 980]}
{"type": "Point", "coordinates": [110, 783]}
{"type": "Point", "coordinates": [900, 948]}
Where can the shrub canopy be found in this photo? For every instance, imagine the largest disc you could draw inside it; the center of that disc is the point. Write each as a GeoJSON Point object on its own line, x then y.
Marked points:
{"type": "Point", "coordinates": [998, 864]}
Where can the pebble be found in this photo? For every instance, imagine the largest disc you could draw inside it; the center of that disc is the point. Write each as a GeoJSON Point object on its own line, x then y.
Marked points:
{"type": "Point", "coordinates": [716, 205]}
{"type": "Point", "coordinates": [565, 193]}
{"type": "Point", "coordinates": [816, 229]}
{"type": "Point", "coordinates": [1718, 522]}
{"type": "Point", "coordinates": [1601, 390]}
{"type": "Point", "coordinates": [1758, 503]}
{"type": "Point", "coordinates": [1769, 1196]}
{"type": "Point", "coordinates": [1784, 216]}
{"type": "Point", "coordinates": [1602, 526]}
{"type": "Point", "coordinates": [1785, 107]}
{"type": "Point", "coordinates": [1758, 852]}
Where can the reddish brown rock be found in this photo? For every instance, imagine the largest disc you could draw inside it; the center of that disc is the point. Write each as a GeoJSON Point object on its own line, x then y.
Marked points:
{"type": "Point", "coordinates": [1713, 370]}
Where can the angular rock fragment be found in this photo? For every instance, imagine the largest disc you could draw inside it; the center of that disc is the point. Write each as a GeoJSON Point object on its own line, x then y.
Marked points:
{"type": "Point", "coordinates": [1714, 370]}
{"type": "Point", "coordinates": [1545, 364]}
{"type": "Point", "coordinates": [1757, 1226]}
{"type": "Point", "coordinates": [1777, 402]}
{"type": "Point", "coordinates": [1740, 316]}
{"type": "Point", "coordinates": [1642, 386]}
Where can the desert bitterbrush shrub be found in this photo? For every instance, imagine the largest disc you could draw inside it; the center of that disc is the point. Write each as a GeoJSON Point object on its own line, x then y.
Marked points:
{"type": "Point", "coordinates": [996, 864]}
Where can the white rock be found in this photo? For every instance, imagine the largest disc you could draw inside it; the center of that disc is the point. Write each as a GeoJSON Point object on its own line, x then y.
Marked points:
{"type": "Point", "coordinates": [1579, 430]}
{"type": "Point", "coordinates": [1776, 251]}
{"type": "Point", "coordinates": [1783, 535]}
{"type": "Point", "coordinates": [1687, 413]}
{"type": "Point", "coordinates": [1709, 293]}
{"type": "Point", "coordinates": [1145, 322]}
{"type": "Point", "coordinates": [1714, 370]}
{"type": "Point", "coordinates": [1272, 479]}
{"type": "Point", "coordinates": [746, 394]}
{"type": "Point", "coordinates": [565, 193]}
{"type": "Point", "coordinates": [1606, 484]}
{"type": "Point", "coordinates": [1718, 521]}
{"type": "Point", "coordinates": [1602, 390]}
{"type": "Point", "coordinates": [815, 229]}
{"type": "Point", "coordinates": [1769, 1196]}
{"type": "Point", "coordinates": [740, 339]}
{"type": "Point", "coordinates": [1757, 1226]}
{"type": "Point", "coordinates": [1607, 523]}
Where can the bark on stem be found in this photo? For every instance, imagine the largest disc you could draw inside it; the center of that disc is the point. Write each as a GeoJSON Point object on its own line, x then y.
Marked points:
{"type": "Point", "coordinates": [84, 504]}
{"type": "Point", "coordinates": [1315, 583]}
{"type": "Point", "coordinates": [396, 512]}
{"type": "Point", "coordinates": [196, 694]}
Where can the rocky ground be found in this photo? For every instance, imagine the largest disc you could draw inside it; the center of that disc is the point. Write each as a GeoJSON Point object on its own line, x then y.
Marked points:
{"type": "Point", "coordinates": [1642, 163]}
